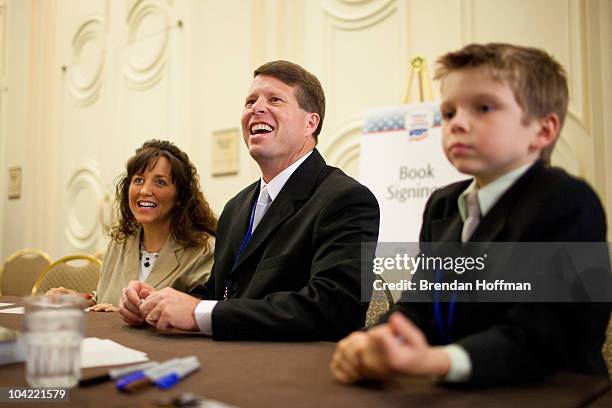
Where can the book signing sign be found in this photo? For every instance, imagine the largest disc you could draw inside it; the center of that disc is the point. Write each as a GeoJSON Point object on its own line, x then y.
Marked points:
{"type": "Point", "coordinates": [402, 162]}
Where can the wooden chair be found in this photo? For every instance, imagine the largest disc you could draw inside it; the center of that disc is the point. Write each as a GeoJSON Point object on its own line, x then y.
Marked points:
{"type": "Point", "coordinates": [21, 270]}
{"type": "Point", "coordinates": [381, 302]}
{"type": "Point", "coordinates": [65, 272]}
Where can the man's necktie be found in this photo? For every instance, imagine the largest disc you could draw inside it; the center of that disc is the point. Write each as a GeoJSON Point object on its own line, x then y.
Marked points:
{"type": "Point", "coordinates": [263, 202]}
{"type": "Point", "coordinates": [473, 216]}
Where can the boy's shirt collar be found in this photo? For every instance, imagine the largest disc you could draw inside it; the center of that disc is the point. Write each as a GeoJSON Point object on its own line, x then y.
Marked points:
{"type": "Point", "coordinates": [489, 194]}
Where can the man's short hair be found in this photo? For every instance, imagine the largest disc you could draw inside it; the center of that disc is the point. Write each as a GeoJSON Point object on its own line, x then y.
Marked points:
{"type": "Point", "coordinates": [537, 80]}
{"type": "Point", "coordinates": [309, 92]}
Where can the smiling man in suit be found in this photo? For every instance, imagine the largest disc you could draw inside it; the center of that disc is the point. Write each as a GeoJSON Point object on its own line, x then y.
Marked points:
{"type": "Point", "coordinates": [288, 252]}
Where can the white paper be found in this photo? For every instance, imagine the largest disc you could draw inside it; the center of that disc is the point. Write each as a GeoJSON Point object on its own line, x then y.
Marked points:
{"type": "Point", "coordinates": [14, 310]}
{"type": "Point", "coordinates": [97, 352]}
{"type": "Point", "coordinates": [6, 304]}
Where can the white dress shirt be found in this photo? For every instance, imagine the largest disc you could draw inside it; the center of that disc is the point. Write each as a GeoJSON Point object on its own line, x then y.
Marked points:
{"type": "Point", "coordinates": [204, 309]}
{"type": "Point", "coordinates": [460, 364]}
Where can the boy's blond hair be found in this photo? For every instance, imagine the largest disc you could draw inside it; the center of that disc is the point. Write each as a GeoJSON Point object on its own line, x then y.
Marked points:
{"type": "Point", "coordinates": [538, 81]}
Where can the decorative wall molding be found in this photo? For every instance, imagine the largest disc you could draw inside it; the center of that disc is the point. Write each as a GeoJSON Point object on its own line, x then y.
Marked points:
{"type": "Point", "coordinates": [578, 50]}
{"type": "Point", "coordinates": [351, 2]}
{"type": "Point", "coordinates": [85, 77]}
{"type": "Point", "coordinates": [358, 14]}
{"type": "Point", "coordinates": [85, 180]}
{"type": "Point", "coordinates": [575, 45]}
{"type": "Point", "coordinates": [144, 71]}
{"type": "Point", "coordinates": [2, 43]}
{"type": "Point", "coordinates": [283, 35]}
{"type": "Point", "coordinates": [108, 215]}
{"type": "Point", "coordinates": [342, 147]}
{"type": "Point", "coordinates": [566, 157]}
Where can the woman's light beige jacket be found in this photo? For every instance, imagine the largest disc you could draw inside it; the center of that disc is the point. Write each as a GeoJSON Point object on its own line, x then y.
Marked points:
{"type": "Point", "coordinates": [176, 266]}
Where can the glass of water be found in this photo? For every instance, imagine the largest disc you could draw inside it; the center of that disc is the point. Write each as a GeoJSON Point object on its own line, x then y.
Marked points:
{"type": "Point", "coordinates": [53, 330]}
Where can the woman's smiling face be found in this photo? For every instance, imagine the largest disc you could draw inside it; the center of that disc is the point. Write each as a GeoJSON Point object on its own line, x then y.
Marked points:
{"type": "Point", "coordinates": [152, 194]}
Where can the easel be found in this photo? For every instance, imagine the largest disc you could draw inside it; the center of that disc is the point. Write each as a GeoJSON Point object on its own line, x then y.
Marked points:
{"type": "Point", "coordinates": [418, 66]}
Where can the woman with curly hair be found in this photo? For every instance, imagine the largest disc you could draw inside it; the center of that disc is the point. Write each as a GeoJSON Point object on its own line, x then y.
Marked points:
{"type": "Point", "coordinates": [165, 231]}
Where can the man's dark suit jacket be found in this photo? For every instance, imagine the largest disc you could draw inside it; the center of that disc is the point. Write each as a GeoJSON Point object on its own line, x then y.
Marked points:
{"type": "Point", "coordinates": [298, 278]}
{"type": "Point", "coordinates": [520, 342]}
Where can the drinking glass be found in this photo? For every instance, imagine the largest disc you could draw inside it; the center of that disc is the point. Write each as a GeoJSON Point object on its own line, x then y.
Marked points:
{"type": "Point", "coordinates": [53, 330]}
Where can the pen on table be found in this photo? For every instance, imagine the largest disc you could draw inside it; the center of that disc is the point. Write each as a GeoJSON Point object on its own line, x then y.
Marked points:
{"type": "Point", "coordinates": [188, 365]}
{"type": "Point", "coordinates": [141, 378]}
{"type": "Point", "coordinates": [115, 373]}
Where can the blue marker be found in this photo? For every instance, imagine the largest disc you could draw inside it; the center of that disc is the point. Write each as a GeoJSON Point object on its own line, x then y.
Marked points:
{"type": "Point", "coordinates": [187, 366]}
{"type": "Point", "coordinates": [139, 378]}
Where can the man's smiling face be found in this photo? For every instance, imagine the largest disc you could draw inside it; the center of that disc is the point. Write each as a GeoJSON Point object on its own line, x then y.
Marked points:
{"type": "Point", "coordinates": [275, 129]}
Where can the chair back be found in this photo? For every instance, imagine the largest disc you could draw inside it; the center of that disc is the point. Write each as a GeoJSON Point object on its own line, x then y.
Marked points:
{"type": "Point", "coordinates": [76, 272]}
{"type": "Point", "coordinates": [381, 302]}
{"type": "Point", "coordinates": [99, 255]}
{"type": "Point", "coordinates": [21, 270]}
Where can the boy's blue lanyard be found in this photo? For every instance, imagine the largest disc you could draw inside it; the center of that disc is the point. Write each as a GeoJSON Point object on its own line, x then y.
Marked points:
{"type": "Point", "coordinates": [242, 246]}
{"type": "Point", "coordinates": [445, 332]}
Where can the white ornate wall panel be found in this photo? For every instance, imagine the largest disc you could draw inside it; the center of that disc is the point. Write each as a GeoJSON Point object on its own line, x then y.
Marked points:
{"type": "Point", "coordinates": [179, 70]}
{"type": "Point", "coordinates": [361, 59]}
{"type": "Point", "coordinates": [435, 27]}
{"type": "Point", "coordinates": [14, 119]}
{"type": "Point", "coordinates": [84, 76]}
{"type": "Point", "coordinates": [118, 90]}
{"type": "Point", "coordinates": [83, 132]}
{"type": "Point", "coordinates": [85, 195]}
{"type": "Point", "coordinates": [3, 43]}
{"type": "Point", "coordinates": [219, 82]}
{"type": "Point", "coordinates": [343, 143]}
{"type": "Point", "coordinates": [277, 30]}
{"type": "Point", "coordinates": [599, 16]}
{"type": "Point", "coordinates": [148, 37]}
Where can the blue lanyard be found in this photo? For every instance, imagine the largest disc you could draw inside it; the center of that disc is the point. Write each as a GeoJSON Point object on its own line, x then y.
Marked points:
{"type": "Point", "coordinates": [242, 246]}
{"type": "Point", "coordinates": [445, 332]}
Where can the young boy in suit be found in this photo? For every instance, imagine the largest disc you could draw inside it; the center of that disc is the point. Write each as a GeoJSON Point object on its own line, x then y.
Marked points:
{"type": "Point", "coordinates": [503, 108]}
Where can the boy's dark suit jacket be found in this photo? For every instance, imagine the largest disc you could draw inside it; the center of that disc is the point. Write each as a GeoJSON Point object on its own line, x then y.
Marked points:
{"type": "Point", "coordinates": [520, 342]}
{"type": "Point", "coordinates": [299, 276]}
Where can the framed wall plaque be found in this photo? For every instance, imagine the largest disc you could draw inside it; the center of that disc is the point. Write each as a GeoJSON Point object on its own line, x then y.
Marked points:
{"type": "Point", "coordinates": [225, 152]}
{"type": "Point", "coordinates": [14, 182]}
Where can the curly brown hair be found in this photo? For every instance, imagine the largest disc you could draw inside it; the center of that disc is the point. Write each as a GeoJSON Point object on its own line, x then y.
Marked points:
{"type": "Point", "coordinates": [192, 220]}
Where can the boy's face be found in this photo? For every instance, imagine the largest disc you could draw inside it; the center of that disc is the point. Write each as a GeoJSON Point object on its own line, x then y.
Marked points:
{"type": "Point", "coordinates": [484, 131]}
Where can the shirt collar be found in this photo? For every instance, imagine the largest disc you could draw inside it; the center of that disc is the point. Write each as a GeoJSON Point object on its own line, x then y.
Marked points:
{"type": "Point", "coordinates": [490, 194]}
{"type": "Point", "coordinates": [277, 183]}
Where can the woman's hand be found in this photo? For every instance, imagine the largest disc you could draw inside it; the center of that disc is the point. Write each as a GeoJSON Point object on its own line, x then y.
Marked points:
{"type": "Point", "coordinates": [63, 291]}
{"type": "Point", "coordinates": [103, 307]}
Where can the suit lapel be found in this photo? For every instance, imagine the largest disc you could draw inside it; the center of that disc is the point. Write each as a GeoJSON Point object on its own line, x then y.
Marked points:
{"type": "Point", "coordinates": [298, 188]}
{"type": "Point", "coordinates": [447, 229]}
{"type": "Point", "coordinates": [496, 221]}
{"type": "Point", "coordinates": [241, 223]}
{"type": "Point", "coordinates": [166, 263]}
{"type": "Point", "coordinates": [491, 225]}
{"type": "Point", "coordinates": [131, 261]}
